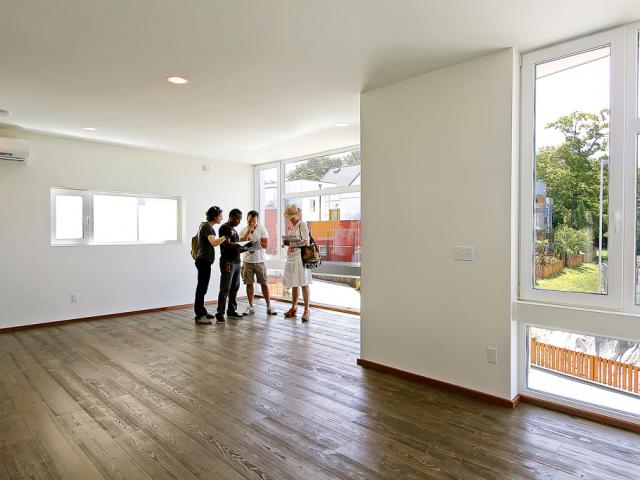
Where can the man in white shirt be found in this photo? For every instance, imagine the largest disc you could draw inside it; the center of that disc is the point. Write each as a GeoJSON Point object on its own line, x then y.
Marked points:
{"type": "Point", "coordinates": [254, 266]}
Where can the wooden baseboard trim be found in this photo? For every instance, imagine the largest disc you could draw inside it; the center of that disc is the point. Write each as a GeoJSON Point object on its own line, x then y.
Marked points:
{"type": "Point", "coordinates": [103, 317]}
{"type": "Point", "coordinates": [503, 402]}
{"type": "Point", "coordinates": [577, 412]}
{"type": "Point", "coordinates": [321, 306]}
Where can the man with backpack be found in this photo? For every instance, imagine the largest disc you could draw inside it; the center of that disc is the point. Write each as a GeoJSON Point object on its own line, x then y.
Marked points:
{"type": "Point", "coordinates": [202, 249]}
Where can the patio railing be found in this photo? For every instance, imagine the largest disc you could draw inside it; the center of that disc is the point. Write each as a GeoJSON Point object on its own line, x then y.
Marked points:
{"type": "Point", "coordinates": [623, 376]}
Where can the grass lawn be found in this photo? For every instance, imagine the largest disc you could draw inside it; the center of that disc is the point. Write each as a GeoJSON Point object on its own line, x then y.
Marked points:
{"type": "Point", "coordinates": [581, 279]}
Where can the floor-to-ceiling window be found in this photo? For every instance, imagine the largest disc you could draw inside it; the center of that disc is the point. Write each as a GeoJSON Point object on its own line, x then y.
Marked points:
{"type": "Point", "coordinates": [579, 211]}
{"type": "Point", "coordinates": [326, 187]}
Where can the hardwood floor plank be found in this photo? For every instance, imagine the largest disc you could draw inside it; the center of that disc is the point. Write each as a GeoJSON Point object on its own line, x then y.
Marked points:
{"type": "Point", "coordinates": [156, 461]}
{"type": "Point", "coordinates": [108, 457]}
{"type": "Point", "coordinates": [64, 456]}
{"type": "Point", "coordinates": [23, 460]}
{"type": "Point", "coordinates": [13, 430]}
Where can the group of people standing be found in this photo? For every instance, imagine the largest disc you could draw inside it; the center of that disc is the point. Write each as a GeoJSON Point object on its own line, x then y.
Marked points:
{"type": "Point", "coordinates": [253, 268]}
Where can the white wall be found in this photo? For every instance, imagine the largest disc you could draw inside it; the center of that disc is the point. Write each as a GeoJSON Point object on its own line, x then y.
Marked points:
{"type": "Point", "coordinates": [437, 172]}
{"type": "Point", "coordinates": [36, 279]}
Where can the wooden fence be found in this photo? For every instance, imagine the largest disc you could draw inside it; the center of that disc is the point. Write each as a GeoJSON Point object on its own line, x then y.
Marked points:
{"type": "Point", "coordinates": [623, 376]}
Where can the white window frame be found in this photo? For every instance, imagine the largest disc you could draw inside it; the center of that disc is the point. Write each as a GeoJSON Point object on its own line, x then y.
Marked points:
{"type": "Point", "coordinates": [87, 211]}
{"type": "Point", "coordinates": [278, 262]}
{"type": "Point", "coordinates": [258, 193]}
{"type": "Point", "coordinates": [632, 131]}
{"type": "Point", "coordinates": [613, 300]}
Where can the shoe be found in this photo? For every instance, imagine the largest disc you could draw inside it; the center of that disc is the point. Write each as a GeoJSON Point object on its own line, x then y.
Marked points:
{"type": "Point", "coordinates": [220, 319]}
{"type": "Point", "coordinates": [249, 311]}
{"type": "Point", "coordinates": [305, 317]}
{"type": "Point", "coordinates": [202, 320]}
{"type": "Point", "coordinates": [209, 316]}
{"type": "Point", "coordinates": [271, 311]}
{"type": "Point", "coordinates": [291, 313]}
{"type": "Point", "coordinates": [234, 315]}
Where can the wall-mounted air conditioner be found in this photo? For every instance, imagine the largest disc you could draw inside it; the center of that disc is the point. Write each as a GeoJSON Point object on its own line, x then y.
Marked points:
{"type": "Point", "coordinates": [14, 150]}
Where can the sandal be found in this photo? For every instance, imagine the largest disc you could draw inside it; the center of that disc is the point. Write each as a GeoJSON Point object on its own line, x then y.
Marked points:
{"type": "Point", "coordinates": [291, 313]}
{"type": "Point", "coordinates": [305, 318]}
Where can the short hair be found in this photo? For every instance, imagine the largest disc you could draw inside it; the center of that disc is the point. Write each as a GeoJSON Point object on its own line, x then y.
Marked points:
{"type": "Point", "coordinates": [253, 213]}
{"type": "Point", "coordinates": [213, 213]}
{"type": "Point", "coordinates": [234, 212]}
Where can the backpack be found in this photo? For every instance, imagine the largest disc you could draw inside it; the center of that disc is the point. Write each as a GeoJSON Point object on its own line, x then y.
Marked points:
{"type": "Point", "coordinates": [194, 245]}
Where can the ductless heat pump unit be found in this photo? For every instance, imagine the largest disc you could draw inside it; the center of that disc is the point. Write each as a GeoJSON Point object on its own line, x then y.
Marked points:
{"type": "Point", "coordinates": [14, 150]}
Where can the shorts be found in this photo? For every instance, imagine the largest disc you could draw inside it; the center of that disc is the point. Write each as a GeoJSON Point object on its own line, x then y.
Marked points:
{"type": "Point", "coordinates": [259, 270]}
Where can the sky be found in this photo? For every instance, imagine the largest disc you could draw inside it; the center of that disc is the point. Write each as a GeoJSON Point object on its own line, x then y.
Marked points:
{"type": "Point", "coordinates": [584, 87]}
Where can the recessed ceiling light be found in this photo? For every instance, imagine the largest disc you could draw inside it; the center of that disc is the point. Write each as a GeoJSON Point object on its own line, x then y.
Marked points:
{"type": "Point", "coordinates": [342, 124]}
{"type": "Point", "coordinates": [177, 80]}
{"type": "Point", "coordinates": [91, 128]}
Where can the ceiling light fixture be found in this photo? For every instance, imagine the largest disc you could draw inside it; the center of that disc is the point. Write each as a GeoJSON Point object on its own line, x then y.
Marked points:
{"type": "Point", "coordinates": [90, 128]}
{"type": "Point", "coordinates": [177, 80]}
{"type": "Point", "coordinates": [342, 124]}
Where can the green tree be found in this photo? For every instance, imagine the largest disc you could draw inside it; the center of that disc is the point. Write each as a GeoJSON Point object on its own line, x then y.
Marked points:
{"type": "Point", "coordinates": [569, 241]}
{"type": "Point", "coordinates": [571, 170]}
{"type": "Point", "coordinates": [316, 168]}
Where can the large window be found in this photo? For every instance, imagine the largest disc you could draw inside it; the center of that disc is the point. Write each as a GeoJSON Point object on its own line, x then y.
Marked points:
{"type": "Point", "coordinates": [571, 172]}
{"type": "Point", "coordinates": [580, 223]}
{"type": "Point", "coordinates": [82, 217]}
{"type": "Point", "coordinates": [572, 183]}
{"type": "Point", "coordinates": [326, 187]}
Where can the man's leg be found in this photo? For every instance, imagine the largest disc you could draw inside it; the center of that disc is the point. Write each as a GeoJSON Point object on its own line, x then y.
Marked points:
{"type": "Point", "coordinates": [247, 277]}
{"type": "Point", "coordinates": [263, 280]}
{"type": "Point", "coordinates": [250, 294]}
{"type": "Point", "coordinates": [226, 274]}
{"type": "Point", "coordinates": [234, 287]}
{"type": "Point", "coordinates": [204, 275]}
{"type": "Point", "coordinates": [265, 294]}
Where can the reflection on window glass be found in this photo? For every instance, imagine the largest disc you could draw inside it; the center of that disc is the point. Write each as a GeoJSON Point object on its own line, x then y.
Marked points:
{"type": "Point", "coordinates": [158, 219]}
{"type": "Point", "coordinates": [69, 217]}
{"type": "Point", "coordinates": [115, 218]}
{"type": "Point", "coordinates": [326, 171]}
{"type": "Point", "coordinates": [571, 173]}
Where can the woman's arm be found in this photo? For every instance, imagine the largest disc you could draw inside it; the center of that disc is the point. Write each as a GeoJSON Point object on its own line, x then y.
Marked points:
{"type": "Point", "coordinates": [216, 241]}
{"type": "Point", "coordinates": [304, 233]}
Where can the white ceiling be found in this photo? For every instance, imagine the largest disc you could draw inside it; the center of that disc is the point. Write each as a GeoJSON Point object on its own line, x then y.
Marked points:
{"type": "Point", "coordinates": [269, 78]}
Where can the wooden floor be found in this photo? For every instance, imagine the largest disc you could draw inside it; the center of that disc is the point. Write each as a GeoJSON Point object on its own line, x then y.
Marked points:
{"type": "Point", "coordinates": [154, 396]}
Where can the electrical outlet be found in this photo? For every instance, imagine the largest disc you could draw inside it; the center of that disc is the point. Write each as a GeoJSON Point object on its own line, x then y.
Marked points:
{"type": "Point", "coordinates": [463, 254]}
{"type": "Point", "coordinates": [492, 355]}
{"type": "Point", "coordinates": [75, 298]}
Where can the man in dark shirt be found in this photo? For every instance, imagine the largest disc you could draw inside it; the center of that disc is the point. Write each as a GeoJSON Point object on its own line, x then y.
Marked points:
{"type": "Point", "coordinates": [230, 266]}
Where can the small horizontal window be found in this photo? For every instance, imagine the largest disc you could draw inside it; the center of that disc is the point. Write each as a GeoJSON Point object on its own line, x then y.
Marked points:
{"type": "Point", "coordinates": [83, 217]}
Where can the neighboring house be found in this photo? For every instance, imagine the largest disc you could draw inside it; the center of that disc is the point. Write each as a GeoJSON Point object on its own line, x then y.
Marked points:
{"type": "Point", "coordinates": [543, 206]}
{"type": "Point", "coordinates": [343, 176]}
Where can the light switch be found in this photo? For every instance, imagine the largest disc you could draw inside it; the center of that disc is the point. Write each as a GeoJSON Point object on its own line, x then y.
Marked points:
{"type": "Point", "coordinates": [463, 254]}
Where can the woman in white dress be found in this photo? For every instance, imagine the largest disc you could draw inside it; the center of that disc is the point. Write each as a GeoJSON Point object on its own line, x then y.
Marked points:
{"type": "Point", "coordinates": [295, 275]}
